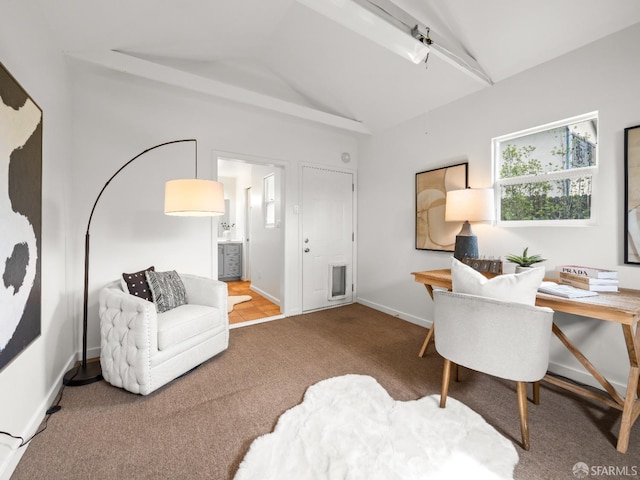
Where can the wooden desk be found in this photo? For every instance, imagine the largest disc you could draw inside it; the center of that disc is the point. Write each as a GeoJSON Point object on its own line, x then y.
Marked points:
{"type": "Point", "coordinates": [621, 307]}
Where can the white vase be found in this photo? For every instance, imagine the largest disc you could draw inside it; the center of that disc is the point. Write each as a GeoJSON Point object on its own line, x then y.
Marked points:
{"type": "Point", "coordinates": [520, 269]}
{"type": "Point", "coordinates": [226, 234]}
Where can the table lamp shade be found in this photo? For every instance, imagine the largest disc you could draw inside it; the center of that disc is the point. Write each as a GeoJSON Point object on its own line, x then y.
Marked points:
{"type": "Point", "coordinates": [472, 204]}
{"type": "Point", "coordinates": [193, 197]}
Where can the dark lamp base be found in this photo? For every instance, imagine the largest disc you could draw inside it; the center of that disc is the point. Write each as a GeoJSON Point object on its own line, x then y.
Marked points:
{"type": "Point", "coordinates": [78, 376]}
{"type": "Point", "coordinates": [466, 246]}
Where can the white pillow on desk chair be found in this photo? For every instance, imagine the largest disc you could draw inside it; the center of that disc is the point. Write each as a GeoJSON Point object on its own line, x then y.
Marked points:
{"type": "Point", "coordinates": [512, 287]}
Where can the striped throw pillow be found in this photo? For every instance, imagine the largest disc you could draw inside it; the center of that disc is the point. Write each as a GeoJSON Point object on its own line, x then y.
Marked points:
{"type": "Point", "coordinates": [167, 290]}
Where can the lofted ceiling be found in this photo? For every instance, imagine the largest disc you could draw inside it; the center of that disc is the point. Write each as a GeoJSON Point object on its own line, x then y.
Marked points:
{"type": "Point", "coordinates": [283, 56]}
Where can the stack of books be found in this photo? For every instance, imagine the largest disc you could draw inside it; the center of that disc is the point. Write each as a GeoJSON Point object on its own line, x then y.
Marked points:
{"type": "Point", "coordinates": [588, 278]}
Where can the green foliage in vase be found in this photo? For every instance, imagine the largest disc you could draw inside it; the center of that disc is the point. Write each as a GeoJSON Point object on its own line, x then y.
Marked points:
{"type": "Point", "coordinates": [525, 260]}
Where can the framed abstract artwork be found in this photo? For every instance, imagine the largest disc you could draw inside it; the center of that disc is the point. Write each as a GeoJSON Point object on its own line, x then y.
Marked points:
{"type": "Point", "coordinates": [432, 232]}
{"type": "Point", "coordinates": [632, 195]}
{"type": "Point", "coordinates": [20, 217]}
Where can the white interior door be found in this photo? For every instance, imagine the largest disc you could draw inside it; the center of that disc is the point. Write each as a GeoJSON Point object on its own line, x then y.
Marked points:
{"type": "Point", "coordinates": [327, 238]}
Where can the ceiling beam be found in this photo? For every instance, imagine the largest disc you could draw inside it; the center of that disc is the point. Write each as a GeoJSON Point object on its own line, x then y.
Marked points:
{"type": "Point", "coordinates": [444, 47]}
{"type": "Point", "coordinates": [122, 62]}
{"type": "Point", "coordinates": [462, 61]}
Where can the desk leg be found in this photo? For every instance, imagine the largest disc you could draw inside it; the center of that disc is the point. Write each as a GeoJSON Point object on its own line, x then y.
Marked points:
{"type": "Point", "coordinates": [423, 350]}
{"type": "Point", "coordinates": [425, 344]}
{"type": "Point", "coordinates": [615, 396]}
{"type": "Point", "coordinates": [630, 404]}
{"type": "Point", "coordinates": [631, 407]}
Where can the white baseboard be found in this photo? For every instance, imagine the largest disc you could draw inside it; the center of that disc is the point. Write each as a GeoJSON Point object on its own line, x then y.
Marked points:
{"type": "Point", "coordinates": [583, 377]}
{"type": "Point", "coordinates": [92, 353]}
{"type": "Point", "coordinates": [9, 462]}
{"type": "Point", "coordinates": [269, 297]}
{"type": "Point", "coordinates": [396, 313]}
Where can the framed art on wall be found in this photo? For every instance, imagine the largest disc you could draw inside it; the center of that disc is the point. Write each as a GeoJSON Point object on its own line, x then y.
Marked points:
{"type": "Point", "coordinates": [632, 195]}
{"type": "Point", "coordinates": [432, 232]}
{"type": "Point", "coordinates": [20, 217]}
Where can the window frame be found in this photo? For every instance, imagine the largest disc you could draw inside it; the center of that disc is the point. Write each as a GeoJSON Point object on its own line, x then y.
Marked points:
{"type": "Point", "coordinates": [269, 202]}
{"type": "Point", "coordinates": [578, 172]}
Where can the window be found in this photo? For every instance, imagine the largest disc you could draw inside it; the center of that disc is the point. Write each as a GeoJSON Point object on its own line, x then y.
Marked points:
{"type": "Point", "coordinates": [545, 175]}
{"type": "Point", "coordinates": [269, 200]}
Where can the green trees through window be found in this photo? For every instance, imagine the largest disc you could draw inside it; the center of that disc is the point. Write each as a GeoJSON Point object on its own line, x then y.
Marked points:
{"type": "Point", "coordinates": [546, 174]}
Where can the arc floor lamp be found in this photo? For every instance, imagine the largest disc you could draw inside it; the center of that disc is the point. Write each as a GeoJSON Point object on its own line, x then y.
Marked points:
{"type": "Point", "coordinates": [184, 197]}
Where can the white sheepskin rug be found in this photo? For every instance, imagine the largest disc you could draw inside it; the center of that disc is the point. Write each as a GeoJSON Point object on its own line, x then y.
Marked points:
{"type": "Point", "coordinates": [349, 428]}
{"type": "Point", "coordinates": [233, 300]}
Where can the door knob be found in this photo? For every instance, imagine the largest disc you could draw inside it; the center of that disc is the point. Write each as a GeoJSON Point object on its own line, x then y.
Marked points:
{"type": "Point", "coordinates": [306, 240]}
{"type": "Point", "coordinates": [306, 250]}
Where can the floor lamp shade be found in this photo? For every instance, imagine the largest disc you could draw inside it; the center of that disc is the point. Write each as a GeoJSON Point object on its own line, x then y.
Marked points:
{"type": "Point", "coordinates": [469, 205]}
{"type": "Point", "coordinates": [193, 198]}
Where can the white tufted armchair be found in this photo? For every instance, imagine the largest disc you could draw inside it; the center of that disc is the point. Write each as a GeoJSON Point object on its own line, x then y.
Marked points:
{"type": "Point", "coordinates": [142, 350]}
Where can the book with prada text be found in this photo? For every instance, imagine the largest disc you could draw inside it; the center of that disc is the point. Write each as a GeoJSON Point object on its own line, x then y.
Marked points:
{"type": "Point", "coordinates": [588, 271]}
{"type": "Point", "coordinates": [592, 287]}
{"type": "Point", "coordinates": [587, 280]}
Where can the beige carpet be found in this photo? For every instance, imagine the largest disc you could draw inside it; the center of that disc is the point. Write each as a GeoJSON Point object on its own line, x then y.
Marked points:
{"type": "Point", "coordinates": [236, 299]}
{"type": "Point", "coordinates": [200, 426]}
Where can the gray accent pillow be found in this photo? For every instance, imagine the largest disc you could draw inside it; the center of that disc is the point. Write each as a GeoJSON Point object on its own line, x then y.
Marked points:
{"type": "Point", "coordinates": [167, 289]}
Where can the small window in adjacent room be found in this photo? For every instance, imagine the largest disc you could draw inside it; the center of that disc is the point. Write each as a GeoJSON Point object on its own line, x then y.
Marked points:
{"type": "Point", "coordinates": [545, 175]}
{"type": "Point", "coordinates": [269, 200]}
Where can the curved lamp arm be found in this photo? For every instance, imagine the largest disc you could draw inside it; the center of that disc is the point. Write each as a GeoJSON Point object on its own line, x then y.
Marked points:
{"type": "Point", "coordinates": [90, 373]}
{"type": "Point", "coordinates": [130, 161]}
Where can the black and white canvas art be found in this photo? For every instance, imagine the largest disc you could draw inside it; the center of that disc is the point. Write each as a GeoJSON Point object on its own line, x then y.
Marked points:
{"type": "Point", "coordinates": [20, 217]}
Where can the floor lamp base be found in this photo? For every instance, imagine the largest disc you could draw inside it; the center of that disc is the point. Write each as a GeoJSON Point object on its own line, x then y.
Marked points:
{"type": "Point", "coordinates": [77, 376]}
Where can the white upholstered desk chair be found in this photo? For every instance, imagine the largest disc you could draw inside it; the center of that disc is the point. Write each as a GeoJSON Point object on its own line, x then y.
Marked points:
{"type": "Point", "coordinates": [503, 339]}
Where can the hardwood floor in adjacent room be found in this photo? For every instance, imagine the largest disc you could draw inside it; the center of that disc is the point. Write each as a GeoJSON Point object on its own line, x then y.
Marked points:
{"type": "Point", "coordinates": [258, 307]}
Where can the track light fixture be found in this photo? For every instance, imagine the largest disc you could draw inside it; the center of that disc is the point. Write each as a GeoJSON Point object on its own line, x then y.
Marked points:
{"type": "Point", "coordinates": [421, 33]}
{"type": "Point", "coordinates": [383, 31]}
{"type": "Point", "coordinates": [384, 23]}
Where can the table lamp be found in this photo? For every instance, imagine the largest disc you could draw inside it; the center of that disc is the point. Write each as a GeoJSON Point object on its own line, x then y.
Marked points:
{"type": "Point", "coordinates": [468, 205]}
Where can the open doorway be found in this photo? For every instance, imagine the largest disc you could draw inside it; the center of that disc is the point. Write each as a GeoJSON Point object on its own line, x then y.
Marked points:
{"type": "Point", "coordinates": [251, 239]}
{"type": "Point", "coordinates": [245, 311]}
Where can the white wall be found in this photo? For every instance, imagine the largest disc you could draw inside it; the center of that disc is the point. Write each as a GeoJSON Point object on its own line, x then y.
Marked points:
{"type": "Point", "coordinates": [117, 117]}
{"type": "Point", "coordinates": [29, 383]}
{"type": "Point", "coordinates": [266, 243]}
{"type": "Point", "coordinates": [602, 76]}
